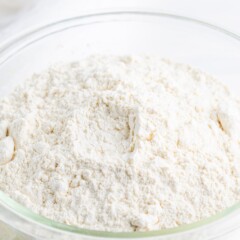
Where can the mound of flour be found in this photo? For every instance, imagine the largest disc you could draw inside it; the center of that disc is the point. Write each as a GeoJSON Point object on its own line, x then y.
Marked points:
{"type": "Point", "coordinates": [121, 144]}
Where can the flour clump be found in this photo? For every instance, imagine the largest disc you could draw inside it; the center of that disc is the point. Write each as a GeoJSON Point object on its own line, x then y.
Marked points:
{"type": "Point", "coordinates": [121, 143]}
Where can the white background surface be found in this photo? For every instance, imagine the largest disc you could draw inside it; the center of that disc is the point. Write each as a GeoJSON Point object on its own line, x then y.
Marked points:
{"type": "Point", "coordinates": [17, 16]}
{"type": "Point", "coordinates": [30, 13]}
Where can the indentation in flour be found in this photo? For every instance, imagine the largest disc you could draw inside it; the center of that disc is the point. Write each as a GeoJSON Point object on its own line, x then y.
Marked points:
{"type": "Point", "coordinates": [103, 128]}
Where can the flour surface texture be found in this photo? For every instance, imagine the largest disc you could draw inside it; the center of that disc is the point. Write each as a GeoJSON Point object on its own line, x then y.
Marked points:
{"type": "Point", "coordinates": [123, 143]}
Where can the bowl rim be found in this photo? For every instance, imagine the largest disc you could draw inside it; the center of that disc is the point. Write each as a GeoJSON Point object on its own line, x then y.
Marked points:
{"type": "Point", "coordinates": [11, 47]}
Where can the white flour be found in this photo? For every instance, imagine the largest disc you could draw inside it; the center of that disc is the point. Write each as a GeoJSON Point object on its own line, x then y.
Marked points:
{"type": "Point", "coordinates": [121, 144]}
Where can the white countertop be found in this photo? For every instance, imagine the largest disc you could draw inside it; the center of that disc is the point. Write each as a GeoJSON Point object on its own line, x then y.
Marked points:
{"type": "Point", "coordinates": [18, 16]}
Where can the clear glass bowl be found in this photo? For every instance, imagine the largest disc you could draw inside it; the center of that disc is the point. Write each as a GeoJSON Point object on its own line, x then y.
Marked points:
{"type": "Point", "coordinates": [203, 45]}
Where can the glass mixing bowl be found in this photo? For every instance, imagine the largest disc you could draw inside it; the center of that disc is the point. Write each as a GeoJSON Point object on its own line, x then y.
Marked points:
{"type": "Point", "coordinates": [203, 45]}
